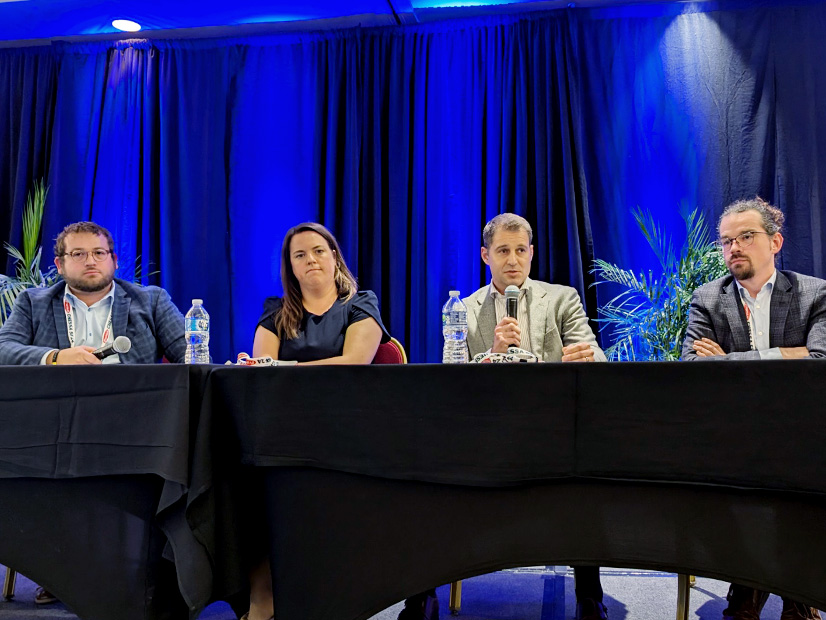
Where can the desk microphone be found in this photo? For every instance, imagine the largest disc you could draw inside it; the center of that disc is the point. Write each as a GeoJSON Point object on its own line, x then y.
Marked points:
{"type": "Point", "coordinates": [121, 344]}
{"type": "Point", "coordinates": [511, 301]}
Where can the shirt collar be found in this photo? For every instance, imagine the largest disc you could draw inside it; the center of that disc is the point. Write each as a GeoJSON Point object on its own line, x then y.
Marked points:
{"type": "Point", "coordinates": [768, 286]}
{"type": "Point", "coordinates": [73, 299]}
{"type": "Point", "coordinates": [494, 294]}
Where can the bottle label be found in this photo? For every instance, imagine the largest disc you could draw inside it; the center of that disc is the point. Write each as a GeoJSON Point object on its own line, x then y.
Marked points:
{"type": "Point", "coordinates": [195, 324]}
{"type": "Point", "coordinates": [455, 317]}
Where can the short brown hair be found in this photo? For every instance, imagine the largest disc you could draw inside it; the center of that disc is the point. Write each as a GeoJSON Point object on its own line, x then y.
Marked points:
{"type": "Point", "coordinates": [772, 217]}
{"type": "Point", "coordinates": [81, 227]}
{"type": "Point", "coordinates": [505, 221]}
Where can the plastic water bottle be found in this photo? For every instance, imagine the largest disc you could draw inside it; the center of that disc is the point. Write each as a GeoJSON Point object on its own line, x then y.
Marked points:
{"type": "Point", "coordinates": [196, 323]}
{"type": "Point", "coordinates": [454, 329]}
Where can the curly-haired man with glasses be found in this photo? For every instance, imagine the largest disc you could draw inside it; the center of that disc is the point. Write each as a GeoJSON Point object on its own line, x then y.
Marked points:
{"type": "Point", "coordinates": [757, 312]}
{"type": "Point", "coordinates": [64, 323]}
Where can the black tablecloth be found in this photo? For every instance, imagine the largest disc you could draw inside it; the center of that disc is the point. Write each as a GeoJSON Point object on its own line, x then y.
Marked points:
{"type": "Point", "coordinates": [750, 424]}
{"type": "Point", "coordinates": [380, 480]}
{"type": "Point", "coordinates": [94, 475]}
{"type": "Point", "coordinates": [77, 422]}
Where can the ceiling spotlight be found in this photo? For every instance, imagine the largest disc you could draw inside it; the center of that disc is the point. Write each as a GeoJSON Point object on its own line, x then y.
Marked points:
{"type": "Point", "coordinates": [126, 25]}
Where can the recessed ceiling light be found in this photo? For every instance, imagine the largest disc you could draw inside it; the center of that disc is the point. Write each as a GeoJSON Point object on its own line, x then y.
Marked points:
{"type": "Point", "coordinates": [126, 25]}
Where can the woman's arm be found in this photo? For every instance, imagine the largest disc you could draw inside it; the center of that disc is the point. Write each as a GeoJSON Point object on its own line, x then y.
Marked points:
{"type": "Point", "coordinates": [267, 343]}
{"type": "Point", "coordinates": [361, 340]}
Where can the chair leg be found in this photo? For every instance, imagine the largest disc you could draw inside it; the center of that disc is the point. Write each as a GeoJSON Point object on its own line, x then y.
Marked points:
{"type": "Point", "coordinates": [684, 583]}
{"type": "Point", "coordinates": [9, 583]}
{"type": "Point", "coordinates": [455, 600]}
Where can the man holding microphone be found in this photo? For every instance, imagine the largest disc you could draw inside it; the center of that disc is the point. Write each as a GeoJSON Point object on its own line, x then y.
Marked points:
{"type": "Point", "coordinates": [83, 318]}
{"type": "Point", "coordinates": [89, 317]}
{"type": "Point", "coordinates": [550, 322]}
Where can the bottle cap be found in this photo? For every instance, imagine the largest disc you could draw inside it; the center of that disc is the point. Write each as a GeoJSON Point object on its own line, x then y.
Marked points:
{"type": "Point", "coordinates": [197, 302]}
{"type": "Point", "coordinates": [454, 293]}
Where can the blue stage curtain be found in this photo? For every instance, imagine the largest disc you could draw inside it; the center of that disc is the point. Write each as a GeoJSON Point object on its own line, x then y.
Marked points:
{"type": "Point", "coordinates": [690, 106]}
{"type": "Point", "coordinates": [404, 141]}
{"type": "Point", "coordinates": [139, 147]}
{"type": "Point", "coordinates": [28, 79]}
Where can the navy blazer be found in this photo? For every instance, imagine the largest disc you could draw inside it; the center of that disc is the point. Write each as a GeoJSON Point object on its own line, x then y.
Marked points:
{"type": "Point", "coordinates": [797, 317]}
{"type": "Point", "coordinates": [145, 314]}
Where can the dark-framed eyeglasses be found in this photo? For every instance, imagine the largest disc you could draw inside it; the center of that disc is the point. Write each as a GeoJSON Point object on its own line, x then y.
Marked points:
{"type": "Point", "coordinates": [80, 255]}
{"type": "Point", "coordinates": [744, 239]}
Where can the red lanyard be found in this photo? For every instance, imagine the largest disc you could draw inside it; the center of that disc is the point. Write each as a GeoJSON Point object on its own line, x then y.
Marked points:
{"type": "Point", "coordinates": [748, 321]}
{"type": "Point", "coordinates": [69, 309]}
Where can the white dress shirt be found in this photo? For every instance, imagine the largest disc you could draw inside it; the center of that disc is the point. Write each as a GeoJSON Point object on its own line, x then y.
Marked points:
{"type": "Point", "coordinates": [760, 320]}
{"type": "Point", "coordinates": [521, 314]}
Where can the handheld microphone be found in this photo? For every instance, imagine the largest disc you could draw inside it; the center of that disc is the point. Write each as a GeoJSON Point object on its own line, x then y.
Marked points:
{"type": "Point", "coordinates": [511, 301]}
{"type": "Point", "coordinates": [121, 344]}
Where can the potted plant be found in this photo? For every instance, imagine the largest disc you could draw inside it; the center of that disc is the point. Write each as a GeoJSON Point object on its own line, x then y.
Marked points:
{"type": "Point", "coordinates": [27, 261]}
{"type": "Point", "coordinates": [648, 319]}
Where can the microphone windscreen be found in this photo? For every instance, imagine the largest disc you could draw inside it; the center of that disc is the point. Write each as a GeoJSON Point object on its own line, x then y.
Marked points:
{"type": "Point", "coordinates": [122, 344]}
{"type": "Point", "coordinates": [511, 292]}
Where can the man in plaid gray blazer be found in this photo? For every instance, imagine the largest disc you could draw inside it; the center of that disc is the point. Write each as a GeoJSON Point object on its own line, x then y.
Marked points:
{"type": "Point", "coordinates": [797, 319]}
{"type": "Point", "coordinates": [64, 323]}
{"type": "Point", "coordinates": [757, 312]}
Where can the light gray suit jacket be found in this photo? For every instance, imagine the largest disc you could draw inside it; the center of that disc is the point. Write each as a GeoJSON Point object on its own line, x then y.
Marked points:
{"type": "Point", "coordinates": [555, 314]}
{"type": "Point", "coordinates": [797, 317]}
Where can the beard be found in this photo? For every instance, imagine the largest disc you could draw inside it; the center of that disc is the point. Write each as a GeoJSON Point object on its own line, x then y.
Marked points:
{"type": "Point", "coordinates": [741, 271]}
{"type": "Point", "coordinates": [86, 285]}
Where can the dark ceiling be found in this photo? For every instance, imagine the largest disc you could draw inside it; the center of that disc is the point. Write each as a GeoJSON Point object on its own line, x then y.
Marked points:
{"type": "Point", "coordinates": [33, 21]}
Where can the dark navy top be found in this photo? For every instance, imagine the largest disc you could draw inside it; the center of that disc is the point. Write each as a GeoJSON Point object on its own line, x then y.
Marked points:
{"type": "Point", "coordinates": [320, 337]}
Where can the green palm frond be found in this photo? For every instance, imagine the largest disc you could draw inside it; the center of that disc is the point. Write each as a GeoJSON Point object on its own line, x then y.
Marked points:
{"type": "Point", "coordinates": [27, 260]}
{"type": "Point", "coordinates": [32, 219]}
{"type": "Point", "coordinates": [662, 246]}
{"type": "Point", "coordinates": [648, 319]}
{"type": "Point", "coordinates": [16, 254]}
{"type": "Point", "coordinates": [133, 269]}
{"type": "Point", "coordinates": [612, 273]}
{"type": "Point", "coordinates": [10, 288]}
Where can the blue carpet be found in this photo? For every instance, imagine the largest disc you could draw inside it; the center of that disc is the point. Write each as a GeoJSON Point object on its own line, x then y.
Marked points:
{"type": "Point", "coordinates": [520, 594]}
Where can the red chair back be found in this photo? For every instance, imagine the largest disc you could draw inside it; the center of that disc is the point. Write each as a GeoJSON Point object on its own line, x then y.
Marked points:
{"type": "Point", "coordinates": [391, 352]}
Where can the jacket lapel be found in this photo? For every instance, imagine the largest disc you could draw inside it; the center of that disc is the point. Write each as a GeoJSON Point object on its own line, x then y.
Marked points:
{"type": "Point", "coordinates": [60, 318]}
{"type": "Point", "coordinates": [781, 302]}
{"type": "Point", "coordinates": [487, 319]}
{"type": "Point", "coordinates": [733, 307]}
{"type": "Point", "coordinates": [537, 300]}
{"type": "Point", "coordinates": [120, 312]}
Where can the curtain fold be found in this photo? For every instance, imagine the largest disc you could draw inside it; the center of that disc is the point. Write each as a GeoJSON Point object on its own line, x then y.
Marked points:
{"type": "Point", "coordinates": [27, 92]}
{"type": "Point", "coordinates": [199, 155]}
{"type": "Point", "coordinates": [196, 96]}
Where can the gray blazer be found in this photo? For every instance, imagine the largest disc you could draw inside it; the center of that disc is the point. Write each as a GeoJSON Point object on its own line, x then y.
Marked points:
{"type": "Point", "coordinates": [798, 317]}
{"type": "Point", "coordinates": [555, 314]}
{"type": "Point", "coordinates": [145, 314]}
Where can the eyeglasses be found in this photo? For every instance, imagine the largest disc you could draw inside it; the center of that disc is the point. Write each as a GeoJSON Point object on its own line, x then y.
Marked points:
{"type": "Point", "coordinates": [744, 239]}
{"type": "Point", "coordinates": [80, 255]}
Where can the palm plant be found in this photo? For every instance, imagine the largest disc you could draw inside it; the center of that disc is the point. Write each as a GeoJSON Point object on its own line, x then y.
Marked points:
{"type": "Point", "coordinates": [27, 261]}
{"type": "Point", "coordinates": [648, 319]}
